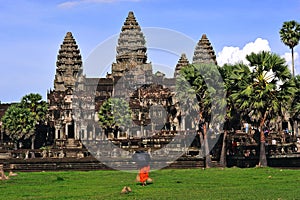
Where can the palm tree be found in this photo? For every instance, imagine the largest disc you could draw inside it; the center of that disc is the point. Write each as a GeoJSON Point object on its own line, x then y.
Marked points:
{"type": "Point", "coordinates": [295, 105]}
{"type": "Point", "coordinates": [290, 36]}
{"type": "Point", "coordinates": [20, 121]}
{"type": "Point", "coordinates": [232, 77]}
{"type": "Point", "coordinates": [39, 110]}
{"type": "Point", "coordinates": [266, 91]}
{"type": "Point", "coordinates": [208, 86]}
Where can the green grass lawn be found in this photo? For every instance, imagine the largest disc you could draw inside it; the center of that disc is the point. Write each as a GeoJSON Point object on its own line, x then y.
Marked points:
{"type": "Point", "coordinates": [229, 183]}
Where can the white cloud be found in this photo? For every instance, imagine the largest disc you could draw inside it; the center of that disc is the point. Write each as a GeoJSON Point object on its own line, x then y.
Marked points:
{"type": "Point", "coordinates": [69, 4]}
{"type": "Point", "coordinates": [288, 57]}
{"type": "Point", "coordinates": [234, 55]}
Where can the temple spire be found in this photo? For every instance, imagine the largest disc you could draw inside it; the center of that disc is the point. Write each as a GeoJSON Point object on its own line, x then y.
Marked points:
{"type": "Point", "coordinates": [182, 62]}
{"type": "Point", "coordinates": [68, 65]}
{"type": "Point", "coordinates": [131, 48]}
{"type": "Point", "coordinates": [130, 23]}
{"type": "Point", "coordinates": [204, 52]}
{"type": "Point", "coordinates": [131, 44]}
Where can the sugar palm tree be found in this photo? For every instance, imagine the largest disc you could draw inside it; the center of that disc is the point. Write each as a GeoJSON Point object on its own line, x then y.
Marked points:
{"type": "Point", "coordinates": [20, 120]}
{"type": "Point", "coordinates": [290, 36]}
{"type": "Point", "coordinates": [295, 105]}
{"type": "Point", "coordinates": [38, 108]}
{"type": "Point", "coordinates": [208, 86]}
{"type": "Point", "coordinates": [233, 78]}
{"type": "Point", "coordinates": [265, 92]}
{"type": "Point", "coordinates": [18, 123]}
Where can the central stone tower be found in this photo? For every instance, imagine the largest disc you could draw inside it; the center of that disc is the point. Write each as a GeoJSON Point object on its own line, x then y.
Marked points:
{"type": "Point", "coordinates": [131, 50]}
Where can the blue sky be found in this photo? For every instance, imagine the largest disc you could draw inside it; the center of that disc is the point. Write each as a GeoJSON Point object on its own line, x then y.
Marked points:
{"type": "Point", "coordinates": [32, 31]}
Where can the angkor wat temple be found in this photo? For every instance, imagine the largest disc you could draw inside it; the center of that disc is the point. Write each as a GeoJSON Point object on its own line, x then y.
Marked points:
{"type": "Point", "coordinates": [149, 94]}
{"type": "Point", "coordinates": [156, 115]}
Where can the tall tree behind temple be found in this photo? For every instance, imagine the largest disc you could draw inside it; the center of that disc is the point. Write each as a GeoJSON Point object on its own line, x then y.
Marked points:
{"type": "Point", "coordinates": [290, 36]}
{"type": "Point", "coordinates": [233, 117]}
{"type": "Point", "coordinates": [295, 107]}
{"type": "Point", "coordinates": [266, 91]}
{"type": "Point", "coordinates": [207, 84]}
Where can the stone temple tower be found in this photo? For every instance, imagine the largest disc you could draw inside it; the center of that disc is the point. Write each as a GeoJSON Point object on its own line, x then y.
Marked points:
{"type": "Point", "coordinates": [182, 62]}
{"type": "Point", "coordinates": [131, 51]}
{"type": "Point", "coordinates": [68, 65]}
{"type": "Point", "coordinates": [204, 52]}
{"type": "Point", "coordinates": [68, 70]}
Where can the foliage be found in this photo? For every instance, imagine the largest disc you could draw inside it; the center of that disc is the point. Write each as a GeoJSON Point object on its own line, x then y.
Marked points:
{"type": "Point", "coordinates": [114, 113]}
{"type": "Point", "coordinates": [265, 92]}
{"type": "Point", "coordinates": [20, 120]}
{"type": "Point", "coordinates": [215, 183]}
{"type": "Point", "coordinates": [37, 106]}
{"type": "Point", "coordinates": [204, 81]}
{"type": "Point", "coordinates": [290, 33]}
{"type": "Point", "coordinates": [295, 106]}
{"type": "Point", "coordinates": [234, 77]}
{"type": "Point", "coordinates": [290, 36]}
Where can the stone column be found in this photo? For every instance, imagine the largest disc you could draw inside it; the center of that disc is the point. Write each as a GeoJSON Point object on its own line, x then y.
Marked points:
{"type": "Point", "coordinates": [66, 130]}
{"type": "Point", "coordinates": [183, 123]}
{"type": "Point", "coordinates": [94, 133]}
{"type": "Point", "coordinates": [84, 128]}
{"type": "Point", "coordinates": [56, 132]}
{"type": "Point", "coordinates": [75, 131]}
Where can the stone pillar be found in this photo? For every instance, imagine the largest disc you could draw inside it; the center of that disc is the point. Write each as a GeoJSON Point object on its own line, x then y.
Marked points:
{"type": "Point", "coordinates": [76, 136]}
{"type": "Point", "coordinates": [66, 130]}
{"type": "Point", "coordinates": [94, 133]}
{"type": "Point", "coordinates": [295, 128]}
{"type": "Point", "coordinates": [57, 128]}
{"type": "Point", "coordinates": [84, 128]}
{"type": "Point", "coordinates": [183, 123]}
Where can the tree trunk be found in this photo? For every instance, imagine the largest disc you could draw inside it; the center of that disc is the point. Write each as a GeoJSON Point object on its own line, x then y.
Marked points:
{"type": "Point", "coordinates": [32, 141]}
{"type": "Point", "coordinates": [206, 147]}
{"type": "Point", "coordinates": [223, 151]}
{"type": "Point", "coordinates": [295, 130]}
{"type": "Point", "coordinates": [16, 145]}
{"type": "Point", "coordinates": [293, 64]}
{"type": "Point", "coordinates": [262, 154]}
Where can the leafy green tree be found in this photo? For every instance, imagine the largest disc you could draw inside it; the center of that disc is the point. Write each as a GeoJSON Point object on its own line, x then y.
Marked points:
{"type": "Point", "coordinates": [295, 105]}
{"type": "Point", "coordinates": [20, 120]}
{"type": "Point", "coordinates": [37, 106]}
{"type": "Point", "coordinates": [114, 114]}
{"type": "Point", "coordinates": [290, 36]}
{"type": "Point", "coordinates": [265, 92]}
{"type": "Point", "coordinates": [18, 123]}
{"type": "Point", "coordinates": [206, 83]}
{"type": "Point", "coordinates": [232, 77]}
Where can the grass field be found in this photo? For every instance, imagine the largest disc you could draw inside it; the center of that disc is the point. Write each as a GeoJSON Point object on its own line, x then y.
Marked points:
{"type": "Point", "coordinates": [216, 183]}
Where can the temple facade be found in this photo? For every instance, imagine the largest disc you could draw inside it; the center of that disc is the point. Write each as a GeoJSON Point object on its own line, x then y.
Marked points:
{"type": "Point", "coordinates": [75, 101]}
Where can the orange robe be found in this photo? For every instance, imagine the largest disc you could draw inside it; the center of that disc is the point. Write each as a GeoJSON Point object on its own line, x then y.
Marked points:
{"type": "Point", "coordinates": [144, 173]}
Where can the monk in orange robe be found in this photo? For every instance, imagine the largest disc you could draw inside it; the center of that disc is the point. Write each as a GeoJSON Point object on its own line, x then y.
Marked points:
{"type": "Point", "coordinates": [142, 159]}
